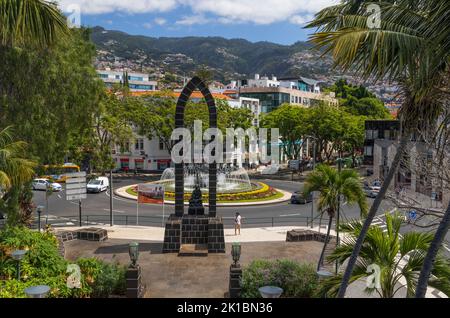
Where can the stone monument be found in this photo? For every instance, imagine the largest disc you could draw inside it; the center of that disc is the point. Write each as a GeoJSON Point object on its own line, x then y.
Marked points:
{"type": "Point", "coordinates": [195, 233]}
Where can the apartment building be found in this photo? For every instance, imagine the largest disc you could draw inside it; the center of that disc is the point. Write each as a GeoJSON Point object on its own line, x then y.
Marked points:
{"type": "Point", "coordinates": [138, 82]}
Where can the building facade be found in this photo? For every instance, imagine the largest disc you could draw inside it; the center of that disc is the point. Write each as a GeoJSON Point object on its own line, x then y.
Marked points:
{"type": "Point", "coordinates": [138, 82]}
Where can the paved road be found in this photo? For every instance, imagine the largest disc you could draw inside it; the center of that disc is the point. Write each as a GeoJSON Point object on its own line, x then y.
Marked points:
{"type": "Point", "coordinates": [97, 207]}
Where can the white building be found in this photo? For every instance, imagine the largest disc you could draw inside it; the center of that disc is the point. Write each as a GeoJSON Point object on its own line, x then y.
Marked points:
{"type": "Point", "coordinates": [138, 82]}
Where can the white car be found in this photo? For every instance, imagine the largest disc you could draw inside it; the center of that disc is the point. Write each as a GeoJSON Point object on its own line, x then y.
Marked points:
{"type": "Point", "coordinates": [44, 184]}
{"type": "Point", "coordinates": [98, 185]}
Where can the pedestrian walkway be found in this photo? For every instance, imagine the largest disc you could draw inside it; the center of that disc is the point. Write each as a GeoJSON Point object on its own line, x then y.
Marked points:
{"type": "Point", "coordinates": [156, 234]}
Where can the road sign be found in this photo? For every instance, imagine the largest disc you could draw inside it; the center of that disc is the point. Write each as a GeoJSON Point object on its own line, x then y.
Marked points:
{"type": "Point", "coordinates": [76, 197]}
{"type": "Point", "coordinates": [294, 164]}
{"type": "Point", "coordinates": [76, 186]}
{"type": "Point", "coordinates": [412, 214]}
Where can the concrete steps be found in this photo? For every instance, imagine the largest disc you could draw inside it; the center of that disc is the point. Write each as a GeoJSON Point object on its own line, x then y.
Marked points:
{"type": "Point", "coordinates": [193, 250]}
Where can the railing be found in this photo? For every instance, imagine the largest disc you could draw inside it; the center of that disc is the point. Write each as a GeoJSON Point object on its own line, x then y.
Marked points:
{"type": "Point", "coordinates": [155, 221]}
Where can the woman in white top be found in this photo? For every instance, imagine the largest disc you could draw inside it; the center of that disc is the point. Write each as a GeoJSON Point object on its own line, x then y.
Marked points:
{"type": "Point", "coordinates": [237, 224]}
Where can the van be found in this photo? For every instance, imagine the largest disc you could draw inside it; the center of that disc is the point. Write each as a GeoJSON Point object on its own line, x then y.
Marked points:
{"type": "Point", "coordinates": [98, 185]}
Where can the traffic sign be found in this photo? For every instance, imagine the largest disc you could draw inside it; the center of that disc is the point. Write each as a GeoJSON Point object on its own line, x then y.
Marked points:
{"type": "Point", "coordinates": [412, 214]}
{"type": "Point", "coordinates": [76, 197]}
{"type": "Point", "coordinates": [76, 186]}
{"type": "Point", "coordinates": [294, 164]}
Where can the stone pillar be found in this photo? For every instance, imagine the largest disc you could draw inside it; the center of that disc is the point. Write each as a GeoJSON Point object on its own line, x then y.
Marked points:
{"type": "Point", "coordinates": [235, 281]}
{"type": "Point", "coordinates": [134, 286]}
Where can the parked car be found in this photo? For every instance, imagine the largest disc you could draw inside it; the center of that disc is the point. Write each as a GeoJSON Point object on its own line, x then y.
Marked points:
{"type": "Point", "coordinates": [372, 192]}
{"type": "Point", "coordinates": [98, 185]}
{"type": "Point", "coordinates": [44, 184]}
{"type": "Point", "coordinates": [299, 198]}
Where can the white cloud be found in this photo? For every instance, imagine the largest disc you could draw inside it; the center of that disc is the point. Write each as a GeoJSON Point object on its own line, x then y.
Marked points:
{"type": "Point", "coordinates": [301, 20]}
{"type": "Point", "coordinates": [160, 21]}
{"type": "Point", "coordinates": [193, 19]}
{"type": "Point", "coordinates": [257, 11]}
{"type": "Point", "coordinates": [110, 6]}
{"type": "Point", "coordinates": [205, 11]}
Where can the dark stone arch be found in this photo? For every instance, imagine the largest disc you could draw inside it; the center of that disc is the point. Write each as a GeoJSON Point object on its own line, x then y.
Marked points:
{"type": "Point", "coordinates": [195, 84]}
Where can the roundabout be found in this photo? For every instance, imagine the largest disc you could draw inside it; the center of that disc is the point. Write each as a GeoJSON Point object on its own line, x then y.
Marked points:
{"type": "Point", "coordinates": [261, 194]}
{"type": "Point", "coordinates": [234, 187]}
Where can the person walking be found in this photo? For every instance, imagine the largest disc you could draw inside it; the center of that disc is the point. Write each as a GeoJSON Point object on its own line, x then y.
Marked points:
{"type": "Point", "coordinates": [237, 224]}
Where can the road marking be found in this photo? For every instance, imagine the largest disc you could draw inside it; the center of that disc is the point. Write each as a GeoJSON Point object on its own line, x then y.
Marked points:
{"type": "Point", "coordinates": [117, 211]}
{"type": "Point", "coordinates": [285, 215]}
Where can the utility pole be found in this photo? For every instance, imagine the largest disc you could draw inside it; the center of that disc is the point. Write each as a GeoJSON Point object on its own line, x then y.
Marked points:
{"type": "Point", "coordinates": [314, 168]}
{"type": "Point", "coordinates": [338, 209]}
{"type": "Point", "coordinates": [111, 191]}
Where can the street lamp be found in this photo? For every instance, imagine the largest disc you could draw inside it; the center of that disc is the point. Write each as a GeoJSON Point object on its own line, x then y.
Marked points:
{"type": "Point", "coordinates": [324, 275]}
{"type": "Point", "coordinates": [40, 291]}
{"type": "Point", "coordinates": [39, 210]}
{"type": "Point", "coordinates": [134, 253]}
{"type": "Point", "coordinates": [270, 292]}
{"type": "Point", "coordinates": [236, 253]}
{"type": "Point", "coordinates": [313, 168]}
{"type": "Point", "coordinates": [18, 256]}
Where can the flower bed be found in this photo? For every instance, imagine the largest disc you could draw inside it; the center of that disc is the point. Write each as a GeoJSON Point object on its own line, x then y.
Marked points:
{"type": "Point", "coordinates": [263, 192]}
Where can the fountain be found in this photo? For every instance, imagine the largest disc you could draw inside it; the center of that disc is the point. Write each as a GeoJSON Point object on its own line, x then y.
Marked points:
{"type": "Point", "coordinates": [230, 179]}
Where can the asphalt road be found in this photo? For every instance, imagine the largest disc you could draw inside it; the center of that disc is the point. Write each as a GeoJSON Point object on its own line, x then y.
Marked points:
{"type": "Point", "coordinates": [96, 209]}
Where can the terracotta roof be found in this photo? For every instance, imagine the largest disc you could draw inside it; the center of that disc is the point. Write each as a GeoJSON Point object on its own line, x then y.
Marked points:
{"type": "Point", "coordinates": [195, 94]}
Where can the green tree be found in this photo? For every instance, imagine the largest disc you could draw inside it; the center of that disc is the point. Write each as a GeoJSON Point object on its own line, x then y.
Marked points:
{"type": "Point", "coordinates": [35, 22]}
{"type": "Point", "coordinates": [290, 121]}
{"type": "Point", "coordinates": [399, 257]}
{"type": "Point", "coordinates": [112, 126]}
{"type": "Point", "coordinates": [367, 106]}
{"type": "Point", "coordinates": [331, 185]}
{"type": "Point", "coordinates": [51, 95]}
{"type": "Point", "coordinates": [411, 46]}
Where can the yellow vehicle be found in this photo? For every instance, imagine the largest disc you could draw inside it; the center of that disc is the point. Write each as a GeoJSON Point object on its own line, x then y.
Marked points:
{"type": "Point", "coordinates": [59, 173]}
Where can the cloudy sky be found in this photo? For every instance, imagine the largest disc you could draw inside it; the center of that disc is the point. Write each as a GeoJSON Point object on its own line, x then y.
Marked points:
{"type": "Point", "coordinates": [279, 21]}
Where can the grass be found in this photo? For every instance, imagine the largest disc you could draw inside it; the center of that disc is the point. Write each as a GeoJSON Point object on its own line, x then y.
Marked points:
{"type": "Point", "coordinates": [276, 196]}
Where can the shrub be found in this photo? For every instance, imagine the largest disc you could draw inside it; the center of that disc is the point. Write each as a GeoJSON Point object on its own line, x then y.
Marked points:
{"type": "Point", "coordinates": [297, 280]}
{"type": "Point", "coordinates": [43, 265]}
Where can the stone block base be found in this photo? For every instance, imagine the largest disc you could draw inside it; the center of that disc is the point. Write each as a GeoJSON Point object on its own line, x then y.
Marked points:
{"type": "Point", "coordinates": [194, 230]}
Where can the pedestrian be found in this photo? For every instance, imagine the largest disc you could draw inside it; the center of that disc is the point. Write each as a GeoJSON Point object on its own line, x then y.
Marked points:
{"type": "Point", "coordinates": [237, 224]}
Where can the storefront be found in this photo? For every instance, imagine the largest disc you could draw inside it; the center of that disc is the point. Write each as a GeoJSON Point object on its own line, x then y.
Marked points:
{"type": "Point", "coordinates": [124, 163]}
{"type": "Point", "coordinates": [163, 164]}
{"type": "Point", "coordinates": [139, 164]}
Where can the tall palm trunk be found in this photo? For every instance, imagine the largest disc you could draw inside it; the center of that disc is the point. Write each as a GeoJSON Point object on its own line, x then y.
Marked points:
{"type": "Point", "coordinates": [428, 262]}
{"type": "Point", "coordinates": [370, 216]}
{"type": "Point", "coordinates": [327, 239]}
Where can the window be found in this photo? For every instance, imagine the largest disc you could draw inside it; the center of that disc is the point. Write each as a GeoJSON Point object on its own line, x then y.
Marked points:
{"type": "Point", "coordinates": [161, 145]}
{"type": "Point", "coordinates": [371, 134]}
{"type": "Point", "coordinates": [368, 151]}
{"type": "Point", "coordinates": [139, 144]}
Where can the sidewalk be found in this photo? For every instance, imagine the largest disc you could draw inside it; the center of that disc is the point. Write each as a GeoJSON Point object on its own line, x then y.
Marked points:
{"type": "Point", "coordinates": [156, 234]}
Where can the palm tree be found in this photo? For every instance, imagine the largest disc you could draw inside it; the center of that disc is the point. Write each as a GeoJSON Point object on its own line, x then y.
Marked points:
{"type": "Point", "coordinates": [411, 46]}
{"type": "Point", "coordinates": [331, 185]}
{"type": "Point", "coordinates": [397, 258]}
{"type": "Point", "coordinates": [25, 22]}
{"type": "Point", "coordinates": [15, 169]}
{"type": "Point", "coordinates": [15, 172]}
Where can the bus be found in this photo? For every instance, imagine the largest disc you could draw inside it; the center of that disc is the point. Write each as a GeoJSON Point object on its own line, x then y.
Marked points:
{"type": "Point", "coordinates": [58, 173]}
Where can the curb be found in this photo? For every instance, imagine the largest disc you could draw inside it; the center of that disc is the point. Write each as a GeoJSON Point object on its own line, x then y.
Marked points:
{"type": "Point", "coordinates": [121, 192]}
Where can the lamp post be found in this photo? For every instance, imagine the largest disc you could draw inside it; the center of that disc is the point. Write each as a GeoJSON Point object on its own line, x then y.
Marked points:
{"type": "Point", "coordinates": [338, 216]}
{"type": "Point", "coordinates": [18, 256]}
{"type": "Point", "coordinates": [39, 210]}
{"type": "Point", "coordinates": [236, 253]}
{"type": "Point", "coordinates": [324, 275]}
{"type": "Point", "coordinates": [133, 251]}
{"type": "Point", "coordinates": [235, 287]}
{"type": "Point", "coordinates": [270, 292]}
{"type": "Point", "coordinates": [40, 291]}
